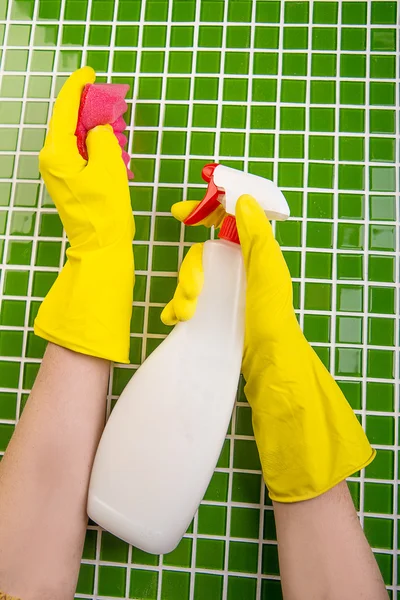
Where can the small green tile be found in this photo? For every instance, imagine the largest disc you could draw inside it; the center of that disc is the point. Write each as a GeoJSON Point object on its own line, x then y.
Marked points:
{"type": "Point", "coordinates": [349, 330]}
{"type": "Point", "coordinates": [348, 362]}
{"type": "Point", "coordinates": [379, 532]}
{"type": "Point", "coordinates": [234, 89]}
{"type": "Point", "coordinates": [354, 13]}
{"type": "Point", "coordinates": [246, 487]}
{"type": "Point", "coordinates": [381, 300]}
{"type": "Point", "coordinates": [239, 11]}
{"type": "Point", "coordinates": [293, 91]}
{"type": "Point", "coordinates": [212, 520]}
{"type": "Point", "coordinates": [50, 225]}
{"type": "Point", "coordinates": [350, 266]}
{"type": "Point", "coordinates": [382, 93]}
{"type": "Point", "coordinates": [237, 36]}
{"type": "Point", "coordinates": [234, 117]}
{"type": "Point", "coordinates": [42, 282]}
{"type": "Point", "coordinates": [296, 12]}
{"type": "Point", "coordinates": [383, 40]}
{"type": "Point", "coordinates": [69, 60]}
{"type": "Point", "coordinates": [11, 343]}
{"type": "Point", "coordinates": [382, 121]}
{"type": "Point", "coordinates": [318, 296]}
{"type": "Point", "coordinates": [85, 583]}
{"type": "Point", "coordinates": [245, 523]}
{"type": "Point", "coordinates": [143, 558]}
{"type": "Point", "coordinates": [100, 35]}
{"type": "Point", "coordinates": [16, 283]}
{"type": "Point", "coordinates": [382, 208]}
{"type": "Point", "coordinates": [143, 584]}
{"type": "Point", "coordinates": [289, 233]}
{"type": "Point", "coordinates": [232, 144]}
{"type": "Point", "coordinates": [318, 265]}
{"type": "Point", "coordinates": [382, 237]}
{"type": "Point", "coordinates": [292, 118]}
{"type": "Point", "coordinates": [351, 148]}
{"type": "Point", "coordinates": [380, 364]}
{"type": "Point", "coordinates": [324, 38]}
{"type": "Point", "coordinates": [294, 64]}
{"type": "Point", "coordinates": [295, 38]}
{"type": "Point", "coordinates": [75, 10]}
{"type": "Point", "coordinates": [8, 405]}
{"type": "Point", "coordinates": [237, 63]}
{"type": "Point", "coordinates": [208, 586]}
{"type": "Point", "coordinates": [43, 60]}
{"type": "Point", "coordinates": [352, 120]}
{"type": "Point", "coordinates": [383, 13]}
{"type": "Point", "coordinates": [319, 205]}
{"type": "Point", "coordinates": [352, 92]}
{"type": "Point", "coordinates": [323, 92]}
{"type": "Point", "coordinates": [291, 146]}
{"type": "Point", "coordinates": [12, 86]}
{"type": "Point", "coordinates": [380, 429]}
{"type": "Point", "coordinates": [270, 563]}
{"type": "Point", "coordinates": [181, 556]}
{"type": "Point", "coordinates": [125, 62]}
{"type": "Point", "coordinates": [208, 62]}
{"type": "Point", "coordinates": [30, 374]}
{"type": "Point", "coordinates": [322, 119]}
{"type": "Point", "coordinates": [350, 236]}
{"type": "Point", "coordinates": [267, 12]}
{"type": "Point", "coordinates": [145, 142]}
{"type": "Point", "coordinates": [18, 35]}
{"type": "Point", "coordinates": [246, 455]}
{"type": "Point", "coordinates": [383, 465]}
{"type": "Point", "coordinates": [12, 313]}
{"type": "Point", "coordinates": [266, 37]}
{"type": "Point", "coordinates": [382, 67]}
{"type": "Point", "coordinates": [320, 175]}
{"type": "Point", "coordinates": [381, 268]}
{"type": "Point", "coordinates": [112, 581]}
{"type": "Point", "coordinates": [323, 65]}
{"type": "Point", "coordinates": [16, 60]}
{"type": "Point", "coordinates": [243, 557]}
{"type": "Point", "coordinates": [351, 206]}
{"type": "Point", "coordinates": [382, 149]}
{"type": "Point", "coordinates": [210, 554]}
{"type": "Point", "coordinates": [242, 587]}
{"type": "Point", "coordinates": [182, 37]}
{"type": "Point", "coordinates": [319, 235]}
{"type": "Point", "coordinates": [382, 179]}
{"type": "Point", "coordinates": [269, 532]}
{"type": "Point", "coordinates": [19, 252]}
{"type": "Point", "coordinates": [385, 564]}
{"type": "Point", "coordinates": [98, 60]}
{"type": "Point", "coordinates": [218, 487]}
{"type": "Point", "coordinates": [353, 38]}
{"type": "Point", "coordinates": [113, 549]}
{"type": "Point", "coordinates": [381, 332]}
{"type": "Point", "coordinates": [48, 254]}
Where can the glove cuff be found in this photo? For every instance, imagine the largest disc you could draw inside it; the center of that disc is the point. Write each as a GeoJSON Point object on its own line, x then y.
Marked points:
{"type": "Point", "coordinates": [88, 309]}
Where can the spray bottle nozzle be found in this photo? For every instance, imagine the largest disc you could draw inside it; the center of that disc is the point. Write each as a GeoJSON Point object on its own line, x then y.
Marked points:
{"type": "Point", "coordinates": [225, 186]}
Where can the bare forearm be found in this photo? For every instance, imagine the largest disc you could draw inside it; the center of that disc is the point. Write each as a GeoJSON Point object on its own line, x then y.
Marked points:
{"type": "Point", "coordinates": [44, 477]}
{"type": "Point", "coordinates": [323, 552]}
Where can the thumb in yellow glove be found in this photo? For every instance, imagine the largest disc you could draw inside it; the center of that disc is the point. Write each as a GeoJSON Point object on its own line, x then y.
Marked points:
{"type": "Point", "coordinates": [307, 435]}
{"type": "Point", "coordinates": [88, 309]}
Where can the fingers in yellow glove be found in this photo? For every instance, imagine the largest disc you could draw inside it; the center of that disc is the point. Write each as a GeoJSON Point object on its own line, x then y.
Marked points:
{"type": "Point", "coordinates": [181, 211]}
{"type": "Point", "coordinates": [61, 141]}
{"type": "Point", "coordinates": [190, 283]}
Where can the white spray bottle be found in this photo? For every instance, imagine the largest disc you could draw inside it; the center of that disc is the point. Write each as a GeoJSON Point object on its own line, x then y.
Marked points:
{"type": "Point", "coordinates": [163, 439]}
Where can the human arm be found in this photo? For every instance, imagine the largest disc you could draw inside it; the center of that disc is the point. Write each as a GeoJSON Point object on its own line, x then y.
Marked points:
{"type": "Point", "coordinates": [323, 552]}
{"type": "Point", "coordinates": [44, 475]}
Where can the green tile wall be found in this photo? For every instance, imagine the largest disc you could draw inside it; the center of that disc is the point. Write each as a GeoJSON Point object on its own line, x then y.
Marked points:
{"type": "Point", "coordinates": [305, 93]}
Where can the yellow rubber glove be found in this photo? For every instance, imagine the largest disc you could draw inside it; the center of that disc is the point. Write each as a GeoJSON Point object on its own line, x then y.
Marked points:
{"type": "Point", "coordinates": [307, 435]}
{"type": "Point", "coordinates": [89, 307]}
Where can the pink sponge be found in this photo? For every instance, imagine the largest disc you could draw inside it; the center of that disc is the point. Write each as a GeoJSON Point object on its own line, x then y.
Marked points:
{"type": "Point", "coordinates": [102, 104]}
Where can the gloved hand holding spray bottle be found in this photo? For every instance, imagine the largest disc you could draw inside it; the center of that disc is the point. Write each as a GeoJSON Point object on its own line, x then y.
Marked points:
{"type": "Point", "coordinates": [163, 439]}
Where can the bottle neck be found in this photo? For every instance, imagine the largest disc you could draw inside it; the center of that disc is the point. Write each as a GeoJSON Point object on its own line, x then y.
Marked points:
{"type": "Point", "coordinates": [229, 230]}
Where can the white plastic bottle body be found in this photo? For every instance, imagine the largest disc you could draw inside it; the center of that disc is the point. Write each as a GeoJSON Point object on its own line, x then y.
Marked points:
{"type": "Point", "coordinates": [164, 436]}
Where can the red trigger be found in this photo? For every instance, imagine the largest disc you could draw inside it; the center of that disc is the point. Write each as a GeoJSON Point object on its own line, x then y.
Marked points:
{"type": "Point", "coordinates": [210, 201]}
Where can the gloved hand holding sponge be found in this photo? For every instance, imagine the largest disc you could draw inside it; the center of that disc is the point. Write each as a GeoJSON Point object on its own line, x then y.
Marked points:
{"type": "Point", "coordinates": [89, 307]}
{"type": "Point", "coordinates": [307, 435]}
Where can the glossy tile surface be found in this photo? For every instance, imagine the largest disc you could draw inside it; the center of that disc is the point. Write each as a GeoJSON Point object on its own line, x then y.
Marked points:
{"type": "Point", "coordinates": [305, 93]}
